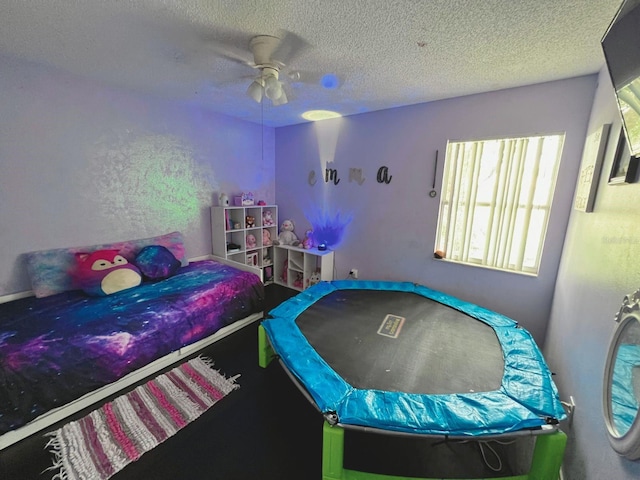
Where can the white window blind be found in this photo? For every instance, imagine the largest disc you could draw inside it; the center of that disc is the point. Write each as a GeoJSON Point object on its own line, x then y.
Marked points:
{"type": "Point", "coordinates": [495, 201]}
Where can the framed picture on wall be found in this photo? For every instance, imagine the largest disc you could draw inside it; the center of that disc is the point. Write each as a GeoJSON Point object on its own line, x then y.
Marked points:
{"type": "Point", "coordinates": [624, 165]}
{"type": "Point", "coordinates": [590, 167]}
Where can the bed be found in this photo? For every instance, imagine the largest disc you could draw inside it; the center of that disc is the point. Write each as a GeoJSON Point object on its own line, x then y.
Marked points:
{"type": "Point", "coordinates": [62, 351]}
{"type": "Point", "coordinates": [398, 358]}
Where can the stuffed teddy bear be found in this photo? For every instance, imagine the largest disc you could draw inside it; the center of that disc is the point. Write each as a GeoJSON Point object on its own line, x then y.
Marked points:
{"type": "Point", "coordinates": [307, 243]}
{"type": "Point", "coordinates": [267, 219]}
{"type": "Point", "coordinates": [266, 238]}
{"type": "Point", "coordinates": [250, 221]}
{"type": "Point", "coordinates": [251, 241]}
{"type": "Point", "coordinates": [287, 236]}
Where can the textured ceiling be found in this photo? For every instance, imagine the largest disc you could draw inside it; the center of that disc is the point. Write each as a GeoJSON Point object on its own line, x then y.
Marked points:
{"type": "Point", "coordinates": [386, 53]}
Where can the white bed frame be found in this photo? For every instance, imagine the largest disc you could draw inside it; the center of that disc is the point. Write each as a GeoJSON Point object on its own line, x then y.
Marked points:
{"type": "Point", "coordinates": [53, 416]}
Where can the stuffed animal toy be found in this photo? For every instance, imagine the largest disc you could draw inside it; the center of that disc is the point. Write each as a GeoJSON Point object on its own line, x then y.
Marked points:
{"type": "Point", "coordinates": [267, 219]}
{"type": "Point", "coordinates": [250, 221]}
{"type": "Point", "coordinates": [266, 238]}
{"type": "Point", "coordinates": [307, 243]}
{"type": "Point", "coordinates": [105, 272]}
{"type": "Point", "coordinates": [313, 279]}
{"type": "Point", "coordinates": [251, 241]}
{"type": "Point", "coordinates": [287, 236]}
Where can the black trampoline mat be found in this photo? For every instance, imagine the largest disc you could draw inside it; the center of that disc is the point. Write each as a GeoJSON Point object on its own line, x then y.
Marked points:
{"type": "Point", "coordinates": [403, 342]}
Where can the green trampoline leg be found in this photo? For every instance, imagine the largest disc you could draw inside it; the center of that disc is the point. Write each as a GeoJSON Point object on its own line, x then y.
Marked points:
{"type": "Point", "coordinates": [265, 352]}
{"type": "Point", "coordinates": [332, 452]}
{"type": "Point", "coordinates": [547, 456]}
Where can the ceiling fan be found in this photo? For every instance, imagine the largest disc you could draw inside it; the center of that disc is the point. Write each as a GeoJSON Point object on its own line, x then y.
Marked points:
{"type": "Point", "coordinates": [268, 83]}
{"type": "Point", "coordinates": [270, 55]}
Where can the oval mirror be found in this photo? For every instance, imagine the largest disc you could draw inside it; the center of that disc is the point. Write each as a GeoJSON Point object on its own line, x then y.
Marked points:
{"type": "Point", "coordinates": [622, 381]}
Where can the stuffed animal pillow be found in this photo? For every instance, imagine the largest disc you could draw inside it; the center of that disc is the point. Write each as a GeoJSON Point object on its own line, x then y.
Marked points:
{"type": "Point", "coordinates": [105, 272]}
{"type": "Point", "coordinates": [156, 262]}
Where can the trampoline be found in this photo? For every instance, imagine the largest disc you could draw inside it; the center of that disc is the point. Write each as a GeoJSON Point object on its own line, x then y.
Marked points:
{"type": "Point", "coordinates": [402, 359]}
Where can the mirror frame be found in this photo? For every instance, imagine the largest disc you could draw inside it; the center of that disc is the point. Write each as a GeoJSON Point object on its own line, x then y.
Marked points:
{"type": "Point", "coordinates": [627, 445]}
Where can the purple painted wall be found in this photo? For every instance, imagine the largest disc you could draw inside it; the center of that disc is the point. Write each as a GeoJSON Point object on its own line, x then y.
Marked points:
{"type": "Point", "coordinates": [81, 164]}
{"type": "Point", "coordinates": [599, 267]}
{"type": "Point", "coordinates": [393, 229]}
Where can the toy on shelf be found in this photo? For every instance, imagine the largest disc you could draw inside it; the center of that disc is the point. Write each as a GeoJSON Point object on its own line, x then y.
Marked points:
{"type": "Point", "coordinates": [297, 283]}
{"type": "Point", "coordinates": [252, 259]}
{"type": "Point", "coordinates": [250, 221]}
{"type": "Point", "coordinates": [251, 241]}
{"type": "Point", "coordinates": [266, 238]}
{"type": "Point", "coordinates": [232, 247]}
{"type": "Point", "coordinates": [247, 198]}
{"type": "Point", "coordinates": [287, 236]}
{"type": "Point", "coordinates": [307, 243]}
{"type": "Point", "coordinates": [267, 219]}
{"type": "Point", "coordinates": [314, 278]}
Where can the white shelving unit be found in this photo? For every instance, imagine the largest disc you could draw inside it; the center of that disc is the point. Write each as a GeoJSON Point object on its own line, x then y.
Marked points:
{"type": "Point", "coordinates": [295, 267]}
{"type": "Point", "coordinates": [232, 235]}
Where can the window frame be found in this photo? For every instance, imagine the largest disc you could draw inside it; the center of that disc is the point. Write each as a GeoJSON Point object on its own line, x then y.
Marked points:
{"type": "Point", "coordinates": [450, 203]}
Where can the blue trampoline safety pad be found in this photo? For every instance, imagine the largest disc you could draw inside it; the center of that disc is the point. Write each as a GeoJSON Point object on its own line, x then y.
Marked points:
{"type": "Point", "coordinates": [526, 399]}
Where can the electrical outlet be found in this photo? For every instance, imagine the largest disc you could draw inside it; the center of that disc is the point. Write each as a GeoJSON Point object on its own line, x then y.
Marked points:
{"type": "Point", "coordinates": [353, 273]}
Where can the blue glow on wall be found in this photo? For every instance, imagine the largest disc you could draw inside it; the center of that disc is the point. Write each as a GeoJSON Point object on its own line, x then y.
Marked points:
{"type": "Point", "coordinates": [328, 228]}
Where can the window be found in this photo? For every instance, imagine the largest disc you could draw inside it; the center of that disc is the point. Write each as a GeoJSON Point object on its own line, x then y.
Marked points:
{"type": "Point", "coordinates": [495, 201]}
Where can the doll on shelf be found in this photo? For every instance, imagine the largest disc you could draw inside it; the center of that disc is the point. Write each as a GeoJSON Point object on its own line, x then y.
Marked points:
{"type": "Point", "coordinates": [266, 238]}
{"type": "Point", "coordinates": [267, 219]}
{"type": "Point", "coordinates": [251, 241]}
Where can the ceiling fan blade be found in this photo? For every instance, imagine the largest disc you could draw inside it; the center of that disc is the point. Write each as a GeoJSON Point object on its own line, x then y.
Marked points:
{"type": "Point", "coordinates": [199, 40]}
{"type": "Point", "coordinates": [233, 53]}
{"type": "Point", "coordinates": [329, 81]}
{"type": "Point", "coordinates": [290, 47]}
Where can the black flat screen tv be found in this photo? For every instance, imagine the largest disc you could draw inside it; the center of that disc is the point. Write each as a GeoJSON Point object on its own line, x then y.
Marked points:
{"type": "Point", "coordinates": [621, 47]}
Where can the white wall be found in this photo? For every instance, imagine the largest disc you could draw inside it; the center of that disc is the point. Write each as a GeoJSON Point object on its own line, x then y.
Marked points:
{"type": "Point", "coordinates": [599, 267]}
{"type": "Point", "coordinates": [392, 234]}
{"type": "Point", "coordinates": [82, 163]}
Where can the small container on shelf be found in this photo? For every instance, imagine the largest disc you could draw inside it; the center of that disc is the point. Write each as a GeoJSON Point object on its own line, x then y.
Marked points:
{"type": "Point", "coordinates": [252, 259]}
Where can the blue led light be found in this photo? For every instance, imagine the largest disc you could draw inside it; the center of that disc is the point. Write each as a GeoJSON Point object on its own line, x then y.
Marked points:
{"type": "Point", "coordinates": [329, 81]}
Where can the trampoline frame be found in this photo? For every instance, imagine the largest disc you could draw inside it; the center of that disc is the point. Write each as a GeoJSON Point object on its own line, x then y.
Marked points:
{"type": "Point", "coordinates": [546, 460]}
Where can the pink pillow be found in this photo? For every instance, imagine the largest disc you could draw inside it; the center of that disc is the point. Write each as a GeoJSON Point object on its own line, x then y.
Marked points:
{"type": "Point", "coordinates": [105, 272]}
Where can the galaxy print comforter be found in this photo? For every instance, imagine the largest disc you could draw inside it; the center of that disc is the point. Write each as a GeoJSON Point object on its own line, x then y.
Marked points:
{"type": "Point", "coordinates": [54, 350]}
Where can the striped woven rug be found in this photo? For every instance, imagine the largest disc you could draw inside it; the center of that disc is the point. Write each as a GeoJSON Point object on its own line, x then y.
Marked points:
{"type": "Point", "coordinates": [102, 443]}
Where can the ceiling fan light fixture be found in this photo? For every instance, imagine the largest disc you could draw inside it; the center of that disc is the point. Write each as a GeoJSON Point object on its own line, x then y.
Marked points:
{"type": "Point", "coordinates": [272, 88]}
{"type": "Point", "coordinates": [281, 100]}
{"type": "Point", "coordinates": [255, 90]}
